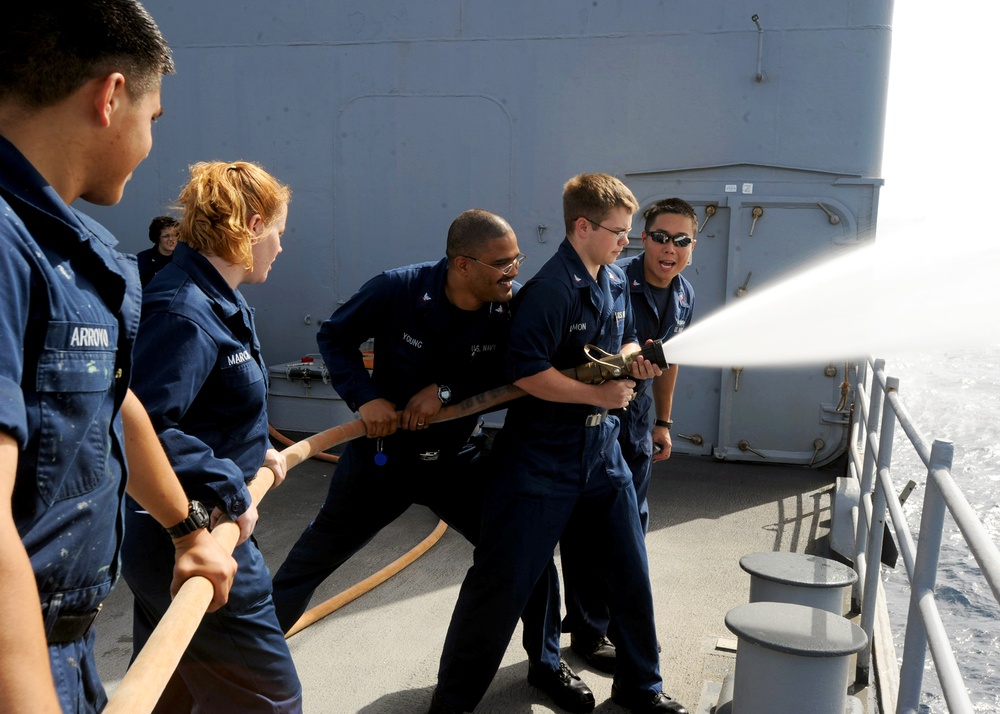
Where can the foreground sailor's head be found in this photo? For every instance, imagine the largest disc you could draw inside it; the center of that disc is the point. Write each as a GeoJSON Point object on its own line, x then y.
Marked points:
{"type": "Point", "coordinates": [79, 90]}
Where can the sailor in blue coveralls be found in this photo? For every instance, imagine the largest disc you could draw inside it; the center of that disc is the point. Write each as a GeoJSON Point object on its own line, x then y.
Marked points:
{"type": "Point", "coordinates": [67, 324]}
{"type": "Point", "coordinates": [200, 373]}
{"type": "Point", "coordinates": [662, 303]}
{"type": "Point", "coordinates": [557, 459]}
{"type": "Point", "coordinates": [73, 347]}
{"type": "Point", "coordinates": [440, 334]}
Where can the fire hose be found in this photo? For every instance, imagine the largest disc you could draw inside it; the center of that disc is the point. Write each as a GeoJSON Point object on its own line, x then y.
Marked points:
{"type": "Point", "coordinates": [331, 605]}
{"type": "Point", "coordinates": [149, 673]}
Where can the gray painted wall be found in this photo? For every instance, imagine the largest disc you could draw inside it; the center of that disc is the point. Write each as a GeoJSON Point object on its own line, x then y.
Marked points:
{"type": "Point", "coordinates": [390, 118]}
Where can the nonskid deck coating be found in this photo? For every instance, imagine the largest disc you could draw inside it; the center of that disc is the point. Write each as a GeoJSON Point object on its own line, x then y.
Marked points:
{"type": "Point", "coordinates": [379, 654]}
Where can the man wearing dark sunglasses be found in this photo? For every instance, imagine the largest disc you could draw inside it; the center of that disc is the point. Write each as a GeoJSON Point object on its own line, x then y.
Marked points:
{"type": "Point", "coordinates": [662, 302]}
{"type": "Point", "coordinates": [558, 469]}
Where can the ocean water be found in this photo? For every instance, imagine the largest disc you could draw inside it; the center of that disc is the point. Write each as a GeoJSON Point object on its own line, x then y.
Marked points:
{"type": "Point", "coordinates": [944, 346]}
{"type": "Point", "coordinates": [954, 395]}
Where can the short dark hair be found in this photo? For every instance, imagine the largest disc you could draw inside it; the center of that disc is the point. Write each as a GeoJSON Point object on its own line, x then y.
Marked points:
{"type": "Point", "coordinates": [670, 205]}
{"type": "Point", "coordinates": [157, 225]}
{"type": "Point", "coordinates": [51, 48]}
{"type": "Point", "coordinates": [471, 229]}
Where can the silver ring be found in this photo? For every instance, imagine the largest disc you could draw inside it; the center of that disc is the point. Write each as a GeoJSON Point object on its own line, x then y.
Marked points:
{"type": "Point", "coordinates": [420, 423]}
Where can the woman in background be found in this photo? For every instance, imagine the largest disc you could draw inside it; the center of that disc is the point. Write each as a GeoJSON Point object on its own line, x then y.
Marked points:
{"type": "Point", "coordinates": [200, 374]}
{"type": "Point", "coordinates": [163, 233]}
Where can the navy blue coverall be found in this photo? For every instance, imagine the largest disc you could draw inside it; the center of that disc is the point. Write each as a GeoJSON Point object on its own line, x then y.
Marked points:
{"type": "Point", "coordinates": [71, 309]}
{"type": "Point", "coordinates": [555, 463]}
{"type": "Point", "coordinates": [656, 318]}
{"type": "Point", "coordinates": [151, 262]}
{"type": "Point", "coordinates": [420, 339]}
{"type": "Point", "coordinates": [201, 377]}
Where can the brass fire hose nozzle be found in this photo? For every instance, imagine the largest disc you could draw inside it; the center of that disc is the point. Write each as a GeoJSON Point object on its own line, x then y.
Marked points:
{"type": "Point", "coordinates": [608, 366]}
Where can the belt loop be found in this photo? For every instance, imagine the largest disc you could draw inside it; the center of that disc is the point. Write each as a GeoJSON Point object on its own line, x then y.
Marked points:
{"type": "Point", "coordinates": [52, 608]}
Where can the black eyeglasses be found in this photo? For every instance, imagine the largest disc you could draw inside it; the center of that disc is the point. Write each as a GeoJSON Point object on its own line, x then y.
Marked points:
{"type": "Point", "coordinates": [618, 234]}
{"type": "Point", "coordinates": [681, 240]}
{"type": "Point", "coordinates": [516, 263]}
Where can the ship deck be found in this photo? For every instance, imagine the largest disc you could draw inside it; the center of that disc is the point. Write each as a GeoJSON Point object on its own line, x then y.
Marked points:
{"type": "Point", "coordinates": [379, 654]}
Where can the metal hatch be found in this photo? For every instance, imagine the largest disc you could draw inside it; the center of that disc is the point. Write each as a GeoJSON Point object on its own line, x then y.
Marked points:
{"type": "Point", "coordinates": [758, 224]}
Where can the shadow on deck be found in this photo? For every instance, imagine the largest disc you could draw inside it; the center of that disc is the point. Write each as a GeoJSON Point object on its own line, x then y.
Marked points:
{"type": "Point", "coordinates": [379, 654]}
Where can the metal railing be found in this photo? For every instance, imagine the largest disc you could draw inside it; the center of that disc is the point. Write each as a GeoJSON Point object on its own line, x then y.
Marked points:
{"type": "Point", "coordinates": [879, 409]}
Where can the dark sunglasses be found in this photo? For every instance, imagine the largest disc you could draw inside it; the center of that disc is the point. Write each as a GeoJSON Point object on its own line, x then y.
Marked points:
{"type": "Point", "coordinates": [681, 240]}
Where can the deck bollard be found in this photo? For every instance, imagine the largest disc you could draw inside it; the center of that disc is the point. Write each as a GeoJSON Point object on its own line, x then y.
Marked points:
{"type": "Point", "coordinates": [798, 579]}
{"type": "Point", "coordinates": [791, 659]}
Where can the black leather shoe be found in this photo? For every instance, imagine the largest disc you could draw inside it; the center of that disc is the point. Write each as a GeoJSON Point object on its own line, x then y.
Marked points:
{"type": "Point", "coordinates": [440, 706]}
{"type": "Point", "coordinates": [646, 702]}
{"type": "Point", "coordinates": [565, 688]}
{"type": "Point", "coordinates": [599, 654]}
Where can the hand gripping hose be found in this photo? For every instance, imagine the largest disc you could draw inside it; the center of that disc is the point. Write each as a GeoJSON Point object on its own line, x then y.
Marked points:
{"type": "Point", "coordinates": [143, 684]}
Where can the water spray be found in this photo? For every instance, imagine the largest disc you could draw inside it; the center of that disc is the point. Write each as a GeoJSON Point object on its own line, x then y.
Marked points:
{"type": "Point", "coordinates": [872, 300]}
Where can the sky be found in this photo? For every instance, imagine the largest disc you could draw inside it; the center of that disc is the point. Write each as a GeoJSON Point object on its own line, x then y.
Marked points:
{"type": "Point", "coordinates": [942, 145]}
{"type": "Point", "coordinates": [937, 230]}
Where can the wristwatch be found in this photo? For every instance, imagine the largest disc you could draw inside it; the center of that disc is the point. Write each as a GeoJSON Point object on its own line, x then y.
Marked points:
{"type": "Point", "coordinates": [197, 518]}
{"type": "Point", "coordinates": [444, 394]}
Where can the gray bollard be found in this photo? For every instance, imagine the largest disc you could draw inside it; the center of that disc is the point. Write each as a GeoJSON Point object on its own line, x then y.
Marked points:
{"type": "Point", "coordinates": [791, 658]}
{"type": "Point", "coordinates": [798, 578]}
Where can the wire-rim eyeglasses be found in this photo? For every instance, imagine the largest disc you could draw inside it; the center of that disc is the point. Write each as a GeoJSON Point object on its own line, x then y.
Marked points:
{"type": "Point", "coordinates": [516, 263]}
{"type": "Point", "coordinates": [618, 234]}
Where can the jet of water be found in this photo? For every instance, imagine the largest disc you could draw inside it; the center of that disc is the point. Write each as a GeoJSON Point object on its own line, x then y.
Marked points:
{"type": "Point", "coordinates": [869, 301]}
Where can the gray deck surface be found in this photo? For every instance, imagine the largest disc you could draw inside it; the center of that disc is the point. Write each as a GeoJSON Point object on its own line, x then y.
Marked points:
{"type": "Point", "coordinates": [379, 654]}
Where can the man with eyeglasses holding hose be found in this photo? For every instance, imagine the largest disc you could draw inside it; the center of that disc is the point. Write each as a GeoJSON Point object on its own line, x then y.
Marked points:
{"type": "Point", "coordinates": [557, 461]}
{"type": "Point", "coordinates": [440, 332]}
{"type": "Point", "coordinates": [662, 303]}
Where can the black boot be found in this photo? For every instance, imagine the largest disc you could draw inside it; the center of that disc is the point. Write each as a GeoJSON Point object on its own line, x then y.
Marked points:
{"type": "Point", "coordinates": [564, 686]}
{"type": "Point", "coordinates": [646, 702]}
{"type": "Point", "coordinates": [599, 654]}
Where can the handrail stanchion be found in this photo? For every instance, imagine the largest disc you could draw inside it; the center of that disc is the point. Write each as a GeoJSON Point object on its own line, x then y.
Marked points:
{"type": "Point", "coordinates": [867, 480]}
{"type": "Point", "coordinates": [874, 542]}
{"type": "Point", "coordinates": [923, 581]}
{"type": "Point", "coordinates": [924, 627]}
